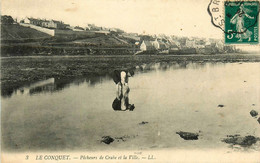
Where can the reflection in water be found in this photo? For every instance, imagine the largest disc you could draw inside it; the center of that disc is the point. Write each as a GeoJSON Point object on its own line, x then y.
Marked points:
{"type": "Point", "coordinates": [170, 65]}
{"type": "Point", "coordinates": [41, 86]}
{"type": "Point", "coordinates": [54, 85]}
{"type": "Point", "coordinates": [121, 102]}
{"type": "Point", "coordinates": [174, 100]}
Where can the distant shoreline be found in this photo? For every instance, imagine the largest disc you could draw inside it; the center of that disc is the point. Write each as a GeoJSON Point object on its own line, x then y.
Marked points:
{"type": "Point", "coordinates": [131, 55]}
{"type": "Point", "coordinates": [20, 71]}
{"type": "Point", "coordinates": [35, 49]}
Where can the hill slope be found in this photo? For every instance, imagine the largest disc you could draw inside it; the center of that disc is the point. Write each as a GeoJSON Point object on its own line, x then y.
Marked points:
{"type": "Point", "coordinates": [103, 41]}
{"type": "Point", "coordinates": [17, 32]}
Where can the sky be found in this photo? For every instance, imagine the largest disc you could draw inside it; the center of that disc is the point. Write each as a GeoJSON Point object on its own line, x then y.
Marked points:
{"type": "Point", "coordinates": [178, 17]}
{"type": "Point", "coordinates": [170, 17]}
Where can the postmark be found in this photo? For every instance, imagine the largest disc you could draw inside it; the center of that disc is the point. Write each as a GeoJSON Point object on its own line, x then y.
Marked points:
{"type": "Point", "coordinates": [237, 19]}
{"type": "Point", "coordinates": [216, 11]}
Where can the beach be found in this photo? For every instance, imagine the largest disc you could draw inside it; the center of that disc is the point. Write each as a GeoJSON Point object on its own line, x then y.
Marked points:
{"type": "Point", "coordinates": [209, 96]}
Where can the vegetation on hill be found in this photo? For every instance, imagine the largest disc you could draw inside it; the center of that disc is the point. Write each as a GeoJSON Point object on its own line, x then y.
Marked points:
{"type": "Point", "coordinates": [15, 32]}
{"type": "Point", "coordinates": [6, 19]}
{"type": "Point", "coordinates": [23, 41]}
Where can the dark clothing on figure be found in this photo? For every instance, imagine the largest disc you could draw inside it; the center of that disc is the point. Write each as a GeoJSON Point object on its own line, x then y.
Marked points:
{"type": "Point", "coordinates": [121, 103]}
{"type": "Point", "coordinates": [116, 105]}
{"type": "Point", "coordinates": [117, 76]}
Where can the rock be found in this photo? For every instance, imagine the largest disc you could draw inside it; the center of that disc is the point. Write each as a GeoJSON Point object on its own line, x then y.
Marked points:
{"type": "Point", "coordinates": [246, 141]}
{"type": "Point", "coordinates": [107, 139]}
{"type": "Point", "coordinates": [221, 106]}
{"type": "Point", "coordinates": [258, 120]}
{"type": "Point", "coordinates": [253, 113]}
{"type": "Point", "coordinates": [142, 123]}
{"type": "Point", "coordinates": [188, 135]}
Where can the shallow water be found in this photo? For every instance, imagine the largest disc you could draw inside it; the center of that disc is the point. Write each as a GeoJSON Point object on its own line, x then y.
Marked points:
{"type": "Point", "coordinates": [171, 97]}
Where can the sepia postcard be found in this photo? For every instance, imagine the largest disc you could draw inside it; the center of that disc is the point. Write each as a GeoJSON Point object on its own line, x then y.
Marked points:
{"type": "Point", "coordinates": [130, 81]}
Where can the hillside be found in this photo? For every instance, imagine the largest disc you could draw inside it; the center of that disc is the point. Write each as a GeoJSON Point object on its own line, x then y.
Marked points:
{"type": "Point", "coordinates": [102, 41]}
{"type": "Point", "coordinates": [15, 32]}
{"type": "Point", "coordinates": [24, 41]}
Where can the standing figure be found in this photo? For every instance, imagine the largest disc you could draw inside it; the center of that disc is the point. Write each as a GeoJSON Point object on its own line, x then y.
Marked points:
{"type": "Point", "coordinates": [121, 102]}
{"type": "Point", "coordinates": [121, 77]}
{"type": "Point", "coordinates": [239, 19]}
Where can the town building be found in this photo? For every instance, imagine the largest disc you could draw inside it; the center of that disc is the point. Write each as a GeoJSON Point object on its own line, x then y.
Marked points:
{"type": "Point", "coordinates": [78, 28]}
{"type": "Point", "coordinates": [147, 46]}
{"type": "Point", "coordinates": [33, 21]}
{"type": "Point", "coordinates": [53, 24]}
{"type": "Point", "coordinates": [159, 45]}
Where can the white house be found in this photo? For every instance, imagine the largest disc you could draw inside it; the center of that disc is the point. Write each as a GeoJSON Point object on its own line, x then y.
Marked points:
{"type": "Point", "coordinates": [220, 45]}
{"type": "Point", "coordinates": [32, 21]}
{"type": "Point", "coordinates": [26, 20]}
{"type": "Point", "coordinates": [146, 46]}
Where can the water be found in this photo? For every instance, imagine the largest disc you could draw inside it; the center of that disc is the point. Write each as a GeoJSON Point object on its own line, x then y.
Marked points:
{"type": "Point", "coordinates": [172, 97]}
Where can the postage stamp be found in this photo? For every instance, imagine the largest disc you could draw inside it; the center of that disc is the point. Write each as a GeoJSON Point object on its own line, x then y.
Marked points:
{"type": "Point", "coordinates": [241, 22]}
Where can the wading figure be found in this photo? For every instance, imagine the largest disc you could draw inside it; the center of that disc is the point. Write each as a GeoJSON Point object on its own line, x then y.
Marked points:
{"type": "Point", "coordinates": [239, 19]}
{"type": "Point", "coordinates": [121, 102]}
{"type": "Point", "coordinates": [121, 77]}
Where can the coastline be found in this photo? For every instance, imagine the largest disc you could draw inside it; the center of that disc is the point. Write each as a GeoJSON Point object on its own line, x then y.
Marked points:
{"type": "Point", "coordinates": [21, 71]}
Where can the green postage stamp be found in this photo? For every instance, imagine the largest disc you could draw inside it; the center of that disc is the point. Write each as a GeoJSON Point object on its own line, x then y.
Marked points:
{"type": "Point", "coordinates": [241, 22]}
